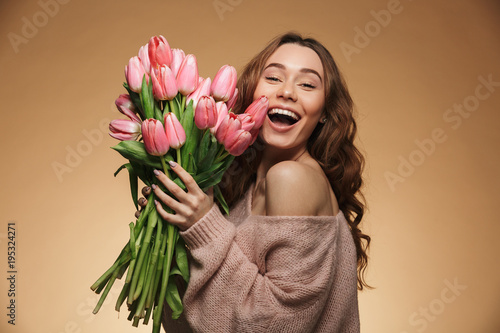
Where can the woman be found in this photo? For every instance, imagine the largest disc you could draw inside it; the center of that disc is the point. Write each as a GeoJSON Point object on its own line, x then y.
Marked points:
{"type": "Point", "coordinates": [290, 256]}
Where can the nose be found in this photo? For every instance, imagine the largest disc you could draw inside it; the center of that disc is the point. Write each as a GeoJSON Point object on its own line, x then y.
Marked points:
{"type": "Point", "coordinates": [287, 91]}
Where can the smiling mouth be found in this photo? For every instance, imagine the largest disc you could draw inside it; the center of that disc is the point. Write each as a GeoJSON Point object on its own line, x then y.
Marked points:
{"type": "Point", "coordinates": [283, 117]}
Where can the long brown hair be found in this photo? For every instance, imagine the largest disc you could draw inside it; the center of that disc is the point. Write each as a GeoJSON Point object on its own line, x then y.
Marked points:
{"type": "Point", "coordinates": [331, 144]}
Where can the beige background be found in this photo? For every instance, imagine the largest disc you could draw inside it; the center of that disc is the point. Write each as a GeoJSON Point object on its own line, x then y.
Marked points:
{"type": "Point", "coordinates": [435, 226]}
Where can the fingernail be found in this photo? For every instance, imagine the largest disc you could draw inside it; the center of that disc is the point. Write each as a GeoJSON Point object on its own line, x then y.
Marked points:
{"type": "Point", "coordinates": [153, 186]}
{"type": "Point", "coordinates": [172, 164]}
{"type": "Point", "coordinates": [156, 172]}
{"type": "Point", "coordinates": [156, 202]}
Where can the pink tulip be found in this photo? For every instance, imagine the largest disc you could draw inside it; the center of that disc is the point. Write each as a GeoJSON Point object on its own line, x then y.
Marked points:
{"type": "Point", "coordinates": [232, 100]}
{"type": "Point", "coordinates": [228, 126]}
{"type": "Point", "coordinates": [125, 106]}
{"type": "Point", "coordinates": [125, 101]}
{"type": "Point", "coordinates": [134, 72]}
{"type": "Point", "coordinates": [176, 135]}
{"type": "Point", "coordinates": [202, 90]}
{"type": "Point", "coordinates": [124, 129]}
{"type": "Point", "coordinates": [240, 141]}
{"type": "Point", "coordinates": [155, 139]}
{"type": "Point", "coordinates": [187, 77]}
{"type": "Point", "coordinates": [177, 58]}
{"type": "Point", "coordinates": [258, 110]}
{"type": "Point", "coordinates": [254, 132]}
{"type": "Point", "coordinates": [144, 57]}
{"type": "Point", "coordinates": [224, 83]}
{"type": "Point", "coordinates": [164, 84]}
{"type": "Point", "coordinates": [247, 122]}
{"type": "Point", "coordinates": [159, 52]}
{"type": "Point", "coordinates": [222, 112]}
{"type": "Point", "coordinates": [205, 114]}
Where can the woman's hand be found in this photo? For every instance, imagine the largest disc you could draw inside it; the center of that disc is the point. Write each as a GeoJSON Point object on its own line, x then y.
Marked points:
{"type": "Point", "coordinates": [189, 207]}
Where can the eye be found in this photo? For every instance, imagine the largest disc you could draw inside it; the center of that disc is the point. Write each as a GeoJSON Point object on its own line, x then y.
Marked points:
{"type": "Point", "coordinates": [272, 78]}
{"type": "Point", "coordinates": [308, 85]}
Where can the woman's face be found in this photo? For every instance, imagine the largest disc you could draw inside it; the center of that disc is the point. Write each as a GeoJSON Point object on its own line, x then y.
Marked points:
{"type": "Point", "coordinates": [293, 80]}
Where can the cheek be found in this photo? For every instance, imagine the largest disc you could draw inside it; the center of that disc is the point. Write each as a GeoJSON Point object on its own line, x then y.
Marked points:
{"type": "Point", "coordinates": [259, 91]}
{"type": "Point", "coordinates": [315, 106]}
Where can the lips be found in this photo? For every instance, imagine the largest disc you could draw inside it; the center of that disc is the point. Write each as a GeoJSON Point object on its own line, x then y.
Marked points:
{"type": "Point", "coordinates": [282, 117]}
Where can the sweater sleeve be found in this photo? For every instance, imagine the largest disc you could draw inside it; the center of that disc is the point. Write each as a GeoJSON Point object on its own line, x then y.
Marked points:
{"type": "Point", "coordinates": [273, 276]}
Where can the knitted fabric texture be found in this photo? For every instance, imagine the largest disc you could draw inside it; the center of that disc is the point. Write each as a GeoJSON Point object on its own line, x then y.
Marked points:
{"type": "Point", "coordinates": [269, 274]}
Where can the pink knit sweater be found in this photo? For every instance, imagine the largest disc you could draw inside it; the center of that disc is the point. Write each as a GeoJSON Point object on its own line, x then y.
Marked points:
{"type": "Point", "coordinates": [269, 274]}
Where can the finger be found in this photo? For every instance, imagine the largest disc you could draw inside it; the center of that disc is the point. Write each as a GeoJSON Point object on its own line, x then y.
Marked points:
{"type": "Point", "coordinates": [174, 219]}
{"type": "Point", "coordinates": [172, 187]}
{"type": "Point", "coordinates": [186, 178]}
{"type": "Point", "coordinates": [146, 191]}
{"type": "Point", "coordinates": [167, 199]}
{"type": "Point", "coordinates": [142, 202]}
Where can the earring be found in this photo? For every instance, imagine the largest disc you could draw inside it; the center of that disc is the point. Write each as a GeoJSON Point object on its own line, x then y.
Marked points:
{"type": "Point", "coordinates": [323, 120]}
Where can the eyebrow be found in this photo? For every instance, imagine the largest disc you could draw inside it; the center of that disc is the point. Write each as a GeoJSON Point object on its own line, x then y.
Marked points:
{"type": "Point", "coordinates": [302, 70]}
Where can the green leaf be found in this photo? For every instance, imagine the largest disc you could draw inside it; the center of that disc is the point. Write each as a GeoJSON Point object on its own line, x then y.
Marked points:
{"type": "Point", "coordinates": [174, 299]}
{"type": "Point", "coordinates": [191, 165]}
{"type": "Point", "coordinates": [204, 145]}
{"type": "Point", "coordinates": [136, 99]}
{"type": "Point", "coordinates": [192, 134]}
{"type": "Point", "coordinates": [220, 198]}
{"type": "Point", "coordinates": [206, 157]}
{"type": "Point", "coordinates": [205, 181]}
{"type": "Point", "coordinates": [158, 112]}
{"type": "Point", "coordinates": [147, 98]}
{"type": "Point", "coordinates": [179, 183]}
{"type": "Point", "coordinates": [142, 172]}
{"type": "Point", "coordinates": [175, 271]}
{"type": "Point", "coordinates": [175, 106]}
{"type": "Point", "coordinates": [133, 181]}
{"type": "Point", "coordinates": [135, 151]}
{"type": "Point", "coordinates": [208, 173]}
{"type": "Point", "coordinates": [119, 169]}
{"type": "Point", "coordinates": [134, 185]}
{"type": "Point", "coordinates": [182, 259]}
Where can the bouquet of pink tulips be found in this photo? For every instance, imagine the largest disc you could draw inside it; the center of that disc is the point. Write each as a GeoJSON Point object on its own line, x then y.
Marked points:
{"type": "Point", "coordinates": [173, 115]}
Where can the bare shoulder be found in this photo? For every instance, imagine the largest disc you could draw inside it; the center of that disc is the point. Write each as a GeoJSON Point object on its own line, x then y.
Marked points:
{"type": "Point", "coordinates": [297, 189]}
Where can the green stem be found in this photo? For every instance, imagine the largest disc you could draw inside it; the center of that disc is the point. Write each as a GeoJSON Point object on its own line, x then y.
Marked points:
{"type": "Point", "coordinates": [171, 231]}
{"type": "Point", "coordinates": [183, 105]}
{"type": "Point", "coordinates": [154, 263]}
{"type": "Point", "coordinates": [122, 258]}
{"type": "Point", "coordinates": [143, 275]}
{"type": "Point", "coordinates": [132, 241]}
{"type": "Point", "coordinates": [221, 156]}
{"type": "Point", "coordinates": [106, 291]}
{"type": "Point", "coordinates": [164, 165]}
{"type": "Point", "coordinates": [172, 107]}
{"type": "Point", "coordinates": [122, 296]}
{"type": "Point", "coordinates": [166, 108]}
{"type": "Point", "coordinates": [145, 213]}
{"type": "Point", "coordinates": [179, 161]}
{"type": "Point", "coordinates": [152, 219]}
{"type": "Point", "coordinates": [137, 245]}
{"type": "Point", "coordinates": [149, 276]}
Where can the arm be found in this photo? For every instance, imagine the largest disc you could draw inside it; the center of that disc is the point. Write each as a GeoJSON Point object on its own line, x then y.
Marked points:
{"type": "Point", "coordinates": [275, 276]}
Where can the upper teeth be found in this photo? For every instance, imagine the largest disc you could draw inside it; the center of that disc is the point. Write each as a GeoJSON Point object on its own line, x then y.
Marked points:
{"type": "Point", "coordinates": [285, 113]}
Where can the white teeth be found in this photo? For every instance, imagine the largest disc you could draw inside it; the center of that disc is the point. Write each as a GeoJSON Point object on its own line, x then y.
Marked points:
{"type": "Point", "coordinates": [285, 113]}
